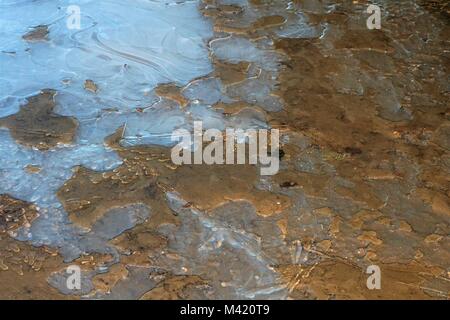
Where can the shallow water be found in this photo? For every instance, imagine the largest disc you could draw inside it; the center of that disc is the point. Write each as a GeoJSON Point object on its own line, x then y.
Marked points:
{"type": "Point", "coordinates": [364, 176]}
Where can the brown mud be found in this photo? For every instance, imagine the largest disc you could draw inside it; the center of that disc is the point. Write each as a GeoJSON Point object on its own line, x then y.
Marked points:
{"type": "Point", "coordinates": [36, 125]}
{"type": "Point", "coordinates": [23, 268]}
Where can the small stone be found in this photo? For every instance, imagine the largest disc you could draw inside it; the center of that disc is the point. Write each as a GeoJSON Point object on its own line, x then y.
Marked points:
{"type": "Point", "coordinates": [404, 226]}
{"type": "Point", "coordinates": [370, 236]}
{"type": "Point", "coordinates": [33, 169]}
{"type": "Point", "coordinates": [90, 85]}
{"type": "Point", "coordinates": [433, 238]}
{"type": "Point", "coordinates": [3, 266]}
{"type": "Point", "coordinates": [361, 252]}
{"type": "Point", "coordinates": [39, 33]}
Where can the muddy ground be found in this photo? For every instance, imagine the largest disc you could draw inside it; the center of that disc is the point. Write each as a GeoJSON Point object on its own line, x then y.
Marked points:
{"type": "Point", "coordinates": [363, 180]}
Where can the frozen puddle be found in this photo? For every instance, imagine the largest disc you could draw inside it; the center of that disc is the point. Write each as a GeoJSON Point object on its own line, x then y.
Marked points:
{"type": "Point", "coordinates": [126, 51]}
